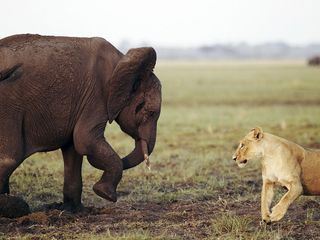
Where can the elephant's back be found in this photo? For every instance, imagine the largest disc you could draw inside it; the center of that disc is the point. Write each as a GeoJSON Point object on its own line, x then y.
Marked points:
{"type": "Point", "coordinates": [46, 59]}
{"type": "Point", "coordinates": [43, 52]}
{"type": "Point", "coordinates": [45, 63]}
{"type": "Point", "coordinates": [19, 39]}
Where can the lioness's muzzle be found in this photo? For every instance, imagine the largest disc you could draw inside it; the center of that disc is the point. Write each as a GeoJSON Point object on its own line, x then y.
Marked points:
{"type": "Point", "coordinates": [244, 161]}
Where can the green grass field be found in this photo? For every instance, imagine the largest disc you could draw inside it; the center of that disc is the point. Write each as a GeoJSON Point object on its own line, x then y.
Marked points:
{"type": "Point", "coordinates": [194, 189]}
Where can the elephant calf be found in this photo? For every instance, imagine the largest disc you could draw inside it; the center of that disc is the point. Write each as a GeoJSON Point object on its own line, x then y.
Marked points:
{"type": "Point", "coordinates": [60, 92]}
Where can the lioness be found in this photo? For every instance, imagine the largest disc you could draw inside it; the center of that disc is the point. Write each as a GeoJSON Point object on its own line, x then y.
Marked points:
{"type": "Point", "coordinates": [283, 163]}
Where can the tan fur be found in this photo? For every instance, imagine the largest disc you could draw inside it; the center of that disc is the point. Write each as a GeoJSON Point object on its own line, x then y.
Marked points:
{"type": "Point", "coordinates": [283, 163]}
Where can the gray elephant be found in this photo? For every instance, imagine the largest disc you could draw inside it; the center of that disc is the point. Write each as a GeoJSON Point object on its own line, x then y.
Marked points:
{"type": "Point", "coordinates": [60, 92]}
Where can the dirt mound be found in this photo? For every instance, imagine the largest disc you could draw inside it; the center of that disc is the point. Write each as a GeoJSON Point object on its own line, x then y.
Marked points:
{"type": "Point", "coordinates": [34, 218]}
{"type": "Point", "coordinates": [13, 207]}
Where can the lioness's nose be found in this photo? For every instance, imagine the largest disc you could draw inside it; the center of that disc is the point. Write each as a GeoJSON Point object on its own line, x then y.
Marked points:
{"type": "Point", "coordinates": [234, 158]}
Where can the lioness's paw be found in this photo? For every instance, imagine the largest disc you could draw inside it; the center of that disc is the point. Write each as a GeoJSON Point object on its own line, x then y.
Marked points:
{"type": "Point", "coordinates": [277, 213]}
{"type": "Point", "coordinates": [266, 218]}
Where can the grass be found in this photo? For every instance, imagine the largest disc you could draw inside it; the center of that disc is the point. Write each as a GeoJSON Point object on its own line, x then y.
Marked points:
{"type": "Point", "coordinates": [194, 190]}
{"type": "Point", "coordinates": [229, 226]}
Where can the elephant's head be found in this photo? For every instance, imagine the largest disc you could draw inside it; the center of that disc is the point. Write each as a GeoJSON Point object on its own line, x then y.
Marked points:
{"type": "Point", "coordinates": [134, 101]}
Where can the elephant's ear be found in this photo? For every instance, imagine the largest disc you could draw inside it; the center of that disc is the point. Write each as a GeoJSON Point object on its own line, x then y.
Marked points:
{"type": "Point", "coordinates": [132, 68]}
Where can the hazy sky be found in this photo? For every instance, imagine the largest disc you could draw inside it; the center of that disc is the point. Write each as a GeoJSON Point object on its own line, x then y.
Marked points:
{"type": "Point", "coordinates": [165, 22]}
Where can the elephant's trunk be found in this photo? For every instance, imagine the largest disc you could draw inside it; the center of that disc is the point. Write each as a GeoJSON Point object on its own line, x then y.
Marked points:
{"type": "Point", "coordinates": [139, 154]}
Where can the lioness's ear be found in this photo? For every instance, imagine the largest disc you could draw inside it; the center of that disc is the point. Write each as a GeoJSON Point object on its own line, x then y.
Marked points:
{"type": "Point", "coordinates": [134, 67]}
{"type": "Point", "coordinates": [257, 133]}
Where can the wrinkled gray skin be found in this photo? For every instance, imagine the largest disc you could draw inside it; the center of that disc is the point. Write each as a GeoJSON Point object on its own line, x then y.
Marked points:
{"type": "Point", "coordinates": [60, 92]}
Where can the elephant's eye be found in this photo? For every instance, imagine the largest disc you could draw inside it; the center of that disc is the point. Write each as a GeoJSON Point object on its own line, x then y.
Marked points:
{"type": "Point", "coordinates": [152, 114]}
{"type": "Point", "coordinates": [139, 107]}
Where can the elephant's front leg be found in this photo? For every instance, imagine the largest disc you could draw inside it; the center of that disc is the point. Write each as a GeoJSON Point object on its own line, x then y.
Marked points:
{"type": "Point", "coordinates": [103, 157]}
{"type": "Point", "coordinates": [294, 191]}
{"type": "Point", "coordinates": [72, 187]}
{"type": "Point", "coordinates": [89, 140]}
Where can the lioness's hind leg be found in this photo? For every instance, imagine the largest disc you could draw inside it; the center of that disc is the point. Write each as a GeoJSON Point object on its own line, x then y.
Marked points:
{"type": "Point", "coordinates": [294, 191]}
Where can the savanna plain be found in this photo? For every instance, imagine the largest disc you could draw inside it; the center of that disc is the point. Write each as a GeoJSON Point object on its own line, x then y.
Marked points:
{"type": "Point", "coordinates": [194, 190]}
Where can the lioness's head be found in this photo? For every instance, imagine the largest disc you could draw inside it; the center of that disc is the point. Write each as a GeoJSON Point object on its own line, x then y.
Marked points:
{"type": "Point", "coordinates": [249, 147]}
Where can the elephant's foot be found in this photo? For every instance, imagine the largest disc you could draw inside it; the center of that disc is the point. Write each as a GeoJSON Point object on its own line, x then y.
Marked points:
{"type": "Point", "coordinates": [106, 191]}
{"type": "Point", "coordinates": [65, 206]}
{"type": "Point", "coordinates": [74, 208]}
{"type": "Point", "coordinates": [71, 201]}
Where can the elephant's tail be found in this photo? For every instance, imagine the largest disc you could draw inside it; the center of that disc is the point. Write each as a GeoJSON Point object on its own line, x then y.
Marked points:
{"type": "Point", "coordinates": [12, 73]}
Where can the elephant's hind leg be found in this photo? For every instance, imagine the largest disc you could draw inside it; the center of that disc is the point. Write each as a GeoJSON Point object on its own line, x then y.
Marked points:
{"type": "Point", "coordinates": [11, 150]}
{"type": "Point", "coordinates": [72, 187]}
{"type": "Point", "coordinates": [7, 166]}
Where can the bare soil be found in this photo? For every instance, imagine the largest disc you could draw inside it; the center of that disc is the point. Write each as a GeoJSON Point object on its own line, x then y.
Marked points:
{"type": "Point", "coordinates": [184, 219]}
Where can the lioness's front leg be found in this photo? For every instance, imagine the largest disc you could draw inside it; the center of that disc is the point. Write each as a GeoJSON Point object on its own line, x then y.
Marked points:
{"type": "Point", "coordinates": [294, 191]}
{"type": "Point", "coordinates": [266, 199]}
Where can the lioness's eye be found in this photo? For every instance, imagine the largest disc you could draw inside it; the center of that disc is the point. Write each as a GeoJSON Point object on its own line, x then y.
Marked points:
{"type": "Point", "coordinates": [241, 145]}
